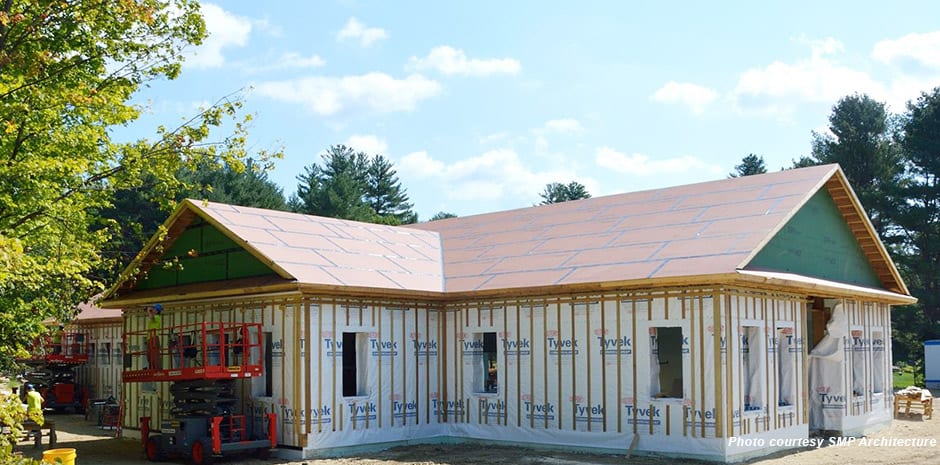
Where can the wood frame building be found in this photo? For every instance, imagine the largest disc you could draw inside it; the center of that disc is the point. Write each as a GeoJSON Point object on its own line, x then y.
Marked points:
{"type": "Point", "coordinates": [664, 321]}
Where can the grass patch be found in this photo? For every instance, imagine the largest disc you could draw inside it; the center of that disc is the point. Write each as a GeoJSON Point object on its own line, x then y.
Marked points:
{"type": "Point", "coordinates": [903, 379]}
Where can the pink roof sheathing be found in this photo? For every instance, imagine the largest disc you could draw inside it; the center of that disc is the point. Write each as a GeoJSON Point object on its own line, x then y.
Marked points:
{"type": "Point", "coordinates": [88, 312]}
{"type": "Point", "coordinates": [333, 252]}
{"type": "Point", "coordinates": [709, 228]}
{"type": "Point", "coordinates": [706, 229]}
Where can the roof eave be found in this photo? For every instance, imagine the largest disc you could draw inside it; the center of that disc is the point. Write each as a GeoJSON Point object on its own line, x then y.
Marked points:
{"type": "Point", "coordinates": [819, 287]}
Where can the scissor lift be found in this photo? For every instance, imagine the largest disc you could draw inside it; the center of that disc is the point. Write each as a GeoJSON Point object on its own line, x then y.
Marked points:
{"type": "Point", "coordinates": [51, 368]}
{"type": "Point", "coordinates": [203, 361]}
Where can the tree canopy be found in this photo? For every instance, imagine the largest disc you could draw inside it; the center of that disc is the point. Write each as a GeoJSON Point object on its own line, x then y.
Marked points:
{"type": "Point", "coordinates": [916, 215]}
{"type": "Point", "coordinates": [557, 192]}
{"type": "Point", "coordinates": [442, 216]}
{"type": "Point", "coordinates": [247, 187]}
{"type": "Point", "coordinates": [67, 73]}
{"type": "Point", "coordinates": [751, 164]}
{"type": "Point", "coordinates": [892, 163]}
{"type": "Point", "coordinates": [353, 186]}
{"type": "Point", "coordinates": [860, 141]}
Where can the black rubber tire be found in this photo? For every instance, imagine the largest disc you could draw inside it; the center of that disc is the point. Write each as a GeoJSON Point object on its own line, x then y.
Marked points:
{"type": "Point", "coordinates": [201, 453]}
{"type": "Point", "coordinates": [152, 449]}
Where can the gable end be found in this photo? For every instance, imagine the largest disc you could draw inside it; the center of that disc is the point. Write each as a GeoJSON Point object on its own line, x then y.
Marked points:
{"type": "Point", "coordinates": [818, 242]}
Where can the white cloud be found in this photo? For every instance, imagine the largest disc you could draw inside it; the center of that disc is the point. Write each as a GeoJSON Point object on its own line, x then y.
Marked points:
{"type": "Point", "coordinates": [296, 60]}
{"type": "Point", "coordinates": [265, 25]}
{"type": "Point", "coordinates": [495, 137]}
{"type": "Point", "coordinates": [820, 47]}
{"type": "Point", "coordinates": [354, 30]}
{"type": "Point", "coordinates": [694, 96]}
{"type": "Point", "coordinates": [493, 175]}
{"type": "Point", "coordinates": [450, 61]}
{"type": "Point", "coordinates": [225, 30]}
{"type": "Point", "coordinates": [420, 165]}
{"type": "Point", "coordinates": [373, 92]}
{"type": "Point", "coordinates": [912, 49]}
{"type": "Point", "coordinates": [285, 61]}
{"type": "Point", "coordinates": [777, 88]}
{"type": "Point", "coordinates": [369, 144]}
{"type": "Point", "coordinates": [563, 126]}
{"type": "Point", "coordinates": [639, 164]}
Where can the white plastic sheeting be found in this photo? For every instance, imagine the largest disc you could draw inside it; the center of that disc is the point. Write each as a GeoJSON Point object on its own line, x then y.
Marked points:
{"type": "Point", "coordinates": [785, 350]}
{"type": "Point", "coordinates": [827, 375]}
{"type": "Point", "coordinates": [752, 368]}
{"type": "Point", "coordinates": [878, 362]}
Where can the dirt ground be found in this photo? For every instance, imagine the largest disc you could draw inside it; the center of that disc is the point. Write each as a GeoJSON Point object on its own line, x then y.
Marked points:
{"type": "Point", "coordinates": [99, 447]}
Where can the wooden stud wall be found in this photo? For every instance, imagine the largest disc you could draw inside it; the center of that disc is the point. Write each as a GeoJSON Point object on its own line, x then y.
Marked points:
{"type": "Point", "coordinates": [567, 363]}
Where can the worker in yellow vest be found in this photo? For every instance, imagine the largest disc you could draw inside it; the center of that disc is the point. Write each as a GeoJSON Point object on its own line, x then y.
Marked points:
{"type": "Point", "coordinates": [154, 323]}
{"type": "Point", "coordinates": [34, 403]}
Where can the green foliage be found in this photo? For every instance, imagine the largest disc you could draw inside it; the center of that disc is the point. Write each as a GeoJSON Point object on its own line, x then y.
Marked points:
{"type": "Point", "coordinates": [903, 379]}
{"type": "Point", "coordinates": [916, 217]}
{"type": "Point", "coordinates": [918, 373]}
{"type": "Point", "coordinates": [557, 192]}
{"type": "Point", "coordinates": [351, 185]}
{"type": "Point", "coordinates": [12, 415]}
{"type": "Point", "coordinates": [248, 187]}
{"type": "Point", "coordinates": [67, 72]}
{"type": "Point", "coordinates": [442, 216]}
{"type": "Point", "coordinates": [860, 142]}
{"type": "Point", "coordinates": [750, 165]}
{"type": "Point", "coordinates": [893, 163]}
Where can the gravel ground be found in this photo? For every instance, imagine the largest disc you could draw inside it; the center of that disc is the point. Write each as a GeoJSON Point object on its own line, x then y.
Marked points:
{"type": "Point", "coordinates": [99, 447]}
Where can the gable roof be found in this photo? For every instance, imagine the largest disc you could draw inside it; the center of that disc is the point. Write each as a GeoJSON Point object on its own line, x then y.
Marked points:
{"type": "Point", "coordinates": [712, 229]}
{"type": "Point", "coordinates": [305, 249]}
{"type": "Point", "coordinates": [88, 312]}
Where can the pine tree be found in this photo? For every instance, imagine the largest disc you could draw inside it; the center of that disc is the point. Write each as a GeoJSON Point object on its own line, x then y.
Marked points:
{"type": "Point", "coordinates": [353, 186]}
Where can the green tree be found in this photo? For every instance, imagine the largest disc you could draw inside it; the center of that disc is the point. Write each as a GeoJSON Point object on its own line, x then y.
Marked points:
{"type": "Point", "coordinates": [557, 192]}
{"type": "Point", "coordinates": [442, 216]}
{"type": "Point", "coordinates": [860, 142]}
{"type": "Point", "coordinates": [248, 187]}
{"type": "Point", "coordinates": [133, 217]}
{"type": "Point", "coordinates": [67, 72]}
{"type": "Point", "coordinates": [137, 216]}
{"type": "Point", "coordinates": [353, 186]}
{"type": "Point", "coordinates": [385, 194]}
{"type": "Point", "coordinates": [917, 216]}
{"type": "Point", "coordinates": [751, 164]}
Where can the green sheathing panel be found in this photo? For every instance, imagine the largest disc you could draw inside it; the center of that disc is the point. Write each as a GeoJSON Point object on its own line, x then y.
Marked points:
{"type": "Point", "coordinates": [817, 242]}
{"type": "Point", "coordinates": [214, 257]}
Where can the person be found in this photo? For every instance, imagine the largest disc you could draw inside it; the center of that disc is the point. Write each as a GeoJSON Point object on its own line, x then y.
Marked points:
{"type": "Point", "coordinates": [34, 403]}
{"type": "Point", "coordinates": [154, 323]}
{"type": "Point", "coordinates": [57, 340]}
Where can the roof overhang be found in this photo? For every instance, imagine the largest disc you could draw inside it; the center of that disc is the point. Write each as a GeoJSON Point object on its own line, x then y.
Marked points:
{"type": "Point", "coordinates": [759, 280]}
{"type": "Point", "coordinates": [244, 287]}
{"type": "Point", "coordinates": [820, 287]}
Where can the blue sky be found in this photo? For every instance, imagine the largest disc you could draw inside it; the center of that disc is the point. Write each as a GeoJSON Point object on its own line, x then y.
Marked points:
{"type": "Point", "coordinates": [480, 104]}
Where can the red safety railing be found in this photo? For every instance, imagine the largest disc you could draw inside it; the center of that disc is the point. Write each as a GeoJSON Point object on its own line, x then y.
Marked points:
{"type": "Point", "coordinates": [209, 350]}
{"type": "Point", "coordinates": [64, 347]}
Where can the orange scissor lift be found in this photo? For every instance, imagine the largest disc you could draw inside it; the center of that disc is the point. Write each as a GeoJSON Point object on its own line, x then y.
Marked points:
{"type": "Point", "coordinates": [52, 360]}
{"type": "Point", "coordinates": [203, 362]}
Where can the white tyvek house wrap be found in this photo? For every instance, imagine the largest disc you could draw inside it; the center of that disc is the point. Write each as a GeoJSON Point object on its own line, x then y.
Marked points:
{"type": "Point", "coordinates": [828, 391]}
{"type": "Point", "coordinates": [397, 376]}
{"type": "Point", "coordinates": [558, 377]}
